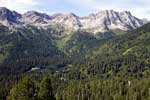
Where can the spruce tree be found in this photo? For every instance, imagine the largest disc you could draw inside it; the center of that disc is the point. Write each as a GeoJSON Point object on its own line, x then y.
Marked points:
{"type": "Point", "coordinates": [46, 90]}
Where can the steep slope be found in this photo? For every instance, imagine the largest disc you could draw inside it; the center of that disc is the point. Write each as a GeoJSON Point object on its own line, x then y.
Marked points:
{"type": "Point", "coordinates": [24, 48]}
{"type": "Point", "coordinates": [8, 17]}
{"type": "Point", "coordinates": [127, 54]}
{"type": "Point", "coordinates": [122, 56]}
{"type": "Point", "coordinates": [81, 43]}
{"type": "Point", "coordinates": [134, 38]}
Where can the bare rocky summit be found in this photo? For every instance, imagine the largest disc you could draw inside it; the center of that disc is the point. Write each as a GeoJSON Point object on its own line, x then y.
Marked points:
{"type": "Point", "coordinates": [102, 21]}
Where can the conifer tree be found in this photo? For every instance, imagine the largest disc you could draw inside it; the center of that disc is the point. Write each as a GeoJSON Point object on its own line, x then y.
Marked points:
{"type": "Point", "coordinates": [46, 90]}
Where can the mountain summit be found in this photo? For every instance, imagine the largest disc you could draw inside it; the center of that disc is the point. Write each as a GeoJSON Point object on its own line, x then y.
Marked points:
{"type": "Point", "coordinates": [102, 21]}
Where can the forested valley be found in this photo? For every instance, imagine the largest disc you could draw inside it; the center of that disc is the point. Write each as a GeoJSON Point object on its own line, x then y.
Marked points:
{"type": "Point", "coordinates": [86, 67]}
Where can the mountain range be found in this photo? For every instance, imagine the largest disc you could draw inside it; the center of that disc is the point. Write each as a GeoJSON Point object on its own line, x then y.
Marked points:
{"type": "Point", "coordinates": [101, 46]}
{"type": "Point", "coordinates": [35, 34]}
{"type": "Point", "coordinates": [102, 21]}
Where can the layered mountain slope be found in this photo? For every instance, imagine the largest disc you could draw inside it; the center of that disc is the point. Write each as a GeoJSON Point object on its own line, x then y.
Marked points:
{"type": "Point", "coordinates": [26, 42]}
{"type": "Point", "coordinates": [102, 21]}
{"type": "Point", "coordinates": [34, 36]}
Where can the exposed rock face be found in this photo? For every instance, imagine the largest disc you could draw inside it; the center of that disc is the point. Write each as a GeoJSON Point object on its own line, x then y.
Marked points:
{"type": "Point", "coordinates": [109, 19]}
{"type": "Point", "coordinates": [69, 21]}
{"type": "Point", "coordinates": [8, 17]}
{"type": "Point", "coordinates": [102, 21]}
{"type": "Point", "coordinates": [35, 18]}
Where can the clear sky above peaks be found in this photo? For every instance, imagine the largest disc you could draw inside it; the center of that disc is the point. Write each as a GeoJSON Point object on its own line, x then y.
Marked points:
{"type": "Point", "coordinates": [139, 8]}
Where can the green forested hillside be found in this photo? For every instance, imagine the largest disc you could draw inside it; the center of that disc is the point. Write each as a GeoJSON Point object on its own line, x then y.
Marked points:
{"type": "Point", "coordinates": [125, 55]}
{"type": "Point", "coordinates": [84, 67]}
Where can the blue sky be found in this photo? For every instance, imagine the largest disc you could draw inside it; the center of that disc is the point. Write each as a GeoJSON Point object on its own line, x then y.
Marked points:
{"type": "Point", "coordinates": [139, 8]}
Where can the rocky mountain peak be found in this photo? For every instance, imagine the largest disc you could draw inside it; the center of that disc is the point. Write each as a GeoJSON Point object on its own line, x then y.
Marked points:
{"type": "Point", "coordinates": [35, 13]}
{"type": "Point", "coordinates": [101, 21]}
{"type": "Point", "coordinates": [68, 20]}
{"type": "Point", "coordinates": [65, 16]}
{"type": "Point", "coordinates": [8, 17]}
{"type": "Point", "coordinates": [126, 12]}
{"type": "Point", "coordinates": [33, 17]}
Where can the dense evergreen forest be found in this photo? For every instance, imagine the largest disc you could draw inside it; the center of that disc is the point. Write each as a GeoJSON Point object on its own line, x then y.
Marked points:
{"type": "Point", "coordinates": [85, 67]}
